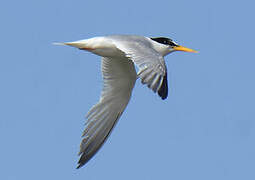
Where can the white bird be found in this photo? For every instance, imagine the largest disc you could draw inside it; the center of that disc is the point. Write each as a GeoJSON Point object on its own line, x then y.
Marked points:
{"type": "Point", "coordinates": [119, 55]}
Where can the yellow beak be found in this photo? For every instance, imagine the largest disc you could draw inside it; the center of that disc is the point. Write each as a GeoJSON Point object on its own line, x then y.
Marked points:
{"type": "Point", "coordinates": [181, 48]}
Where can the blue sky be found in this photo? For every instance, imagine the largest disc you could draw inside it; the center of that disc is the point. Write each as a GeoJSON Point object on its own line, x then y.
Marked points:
{"type": "Point", "coordinates": [204, 130]}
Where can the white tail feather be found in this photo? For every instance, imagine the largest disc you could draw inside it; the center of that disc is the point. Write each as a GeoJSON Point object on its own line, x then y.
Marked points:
{"type": "Point", "coordinates": [77, 44]}
{"type": "Point", "coordinates": [58, 44]}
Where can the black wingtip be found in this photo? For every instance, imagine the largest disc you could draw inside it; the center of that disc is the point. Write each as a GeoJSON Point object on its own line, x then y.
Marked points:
{"type": "Point", "coordinates": [78, 167]}
{"type": "Point", "coordinates": [85, 157]}
{"type": "Point", "coordinates": [163, 91]}
{"type": "Point", "coordinates": [80, 163]}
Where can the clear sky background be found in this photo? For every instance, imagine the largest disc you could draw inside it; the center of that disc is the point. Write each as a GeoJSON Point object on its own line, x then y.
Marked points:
{"type": "Point", "coordinates": [204, 130]}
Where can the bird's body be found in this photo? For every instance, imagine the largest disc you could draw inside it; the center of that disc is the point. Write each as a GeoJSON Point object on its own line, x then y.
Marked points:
{"type": "Point", "coordinates": [119, 55]}
{"type": "Point", "coordinates": [107, 46]}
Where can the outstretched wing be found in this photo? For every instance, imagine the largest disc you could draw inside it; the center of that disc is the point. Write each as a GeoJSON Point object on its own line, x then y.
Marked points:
{"type": "Point", "coordinates": [152, 68]}
{"type": "Point", "coordinates": [119, 77]}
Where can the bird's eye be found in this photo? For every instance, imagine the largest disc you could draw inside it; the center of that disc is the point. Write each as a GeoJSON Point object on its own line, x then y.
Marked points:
{"type": "Point", "coordinates": [165, 41]}
{"type": "Point", "coordinates": [172, 43]}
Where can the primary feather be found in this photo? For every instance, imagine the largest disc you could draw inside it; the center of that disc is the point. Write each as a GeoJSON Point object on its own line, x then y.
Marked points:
{"type": "Point", "coordinates": [119, 78]}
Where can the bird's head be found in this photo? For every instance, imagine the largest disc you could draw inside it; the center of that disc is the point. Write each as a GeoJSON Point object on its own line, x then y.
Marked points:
{"type": "Point", "coordinates": [169, 46]}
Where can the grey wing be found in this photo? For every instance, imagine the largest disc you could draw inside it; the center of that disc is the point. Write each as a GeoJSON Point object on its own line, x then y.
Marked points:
{"type": "Point", "coordinates": [152, 68]}
{"type": "Point", "coordinates": [119, 77]}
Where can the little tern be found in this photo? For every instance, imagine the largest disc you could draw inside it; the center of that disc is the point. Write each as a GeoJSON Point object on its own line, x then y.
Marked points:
{"type": "Point", "coordinates": [119, 55]}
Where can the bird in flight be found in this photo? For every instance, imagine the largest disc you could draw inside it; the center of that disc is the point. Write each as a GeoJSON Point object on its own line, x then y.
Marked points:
{"type": "Point", "coordinates": [120, 54]}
